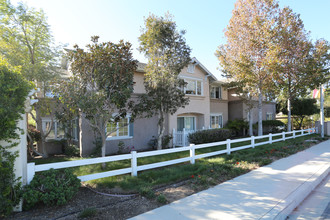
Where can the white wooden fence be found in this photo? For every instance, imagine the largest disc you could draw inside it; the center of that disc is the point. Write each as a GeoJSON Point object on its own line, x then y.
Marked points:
{"type": "Point", "coordinates": [133, 156]}
{"type": "Point", "coordinates": [180, 138]}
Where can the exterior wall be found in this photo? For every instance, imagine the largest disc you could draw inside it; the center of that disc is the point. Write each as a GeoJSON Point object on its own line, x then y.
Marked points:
{"type": "Point", "coordinates": [138, 83]}
{"type": "Point", "coordinates": [235, 110]}
{"type": "Point", "coordinates": [232, 95]}
{"type": "Point", "coordinates": [239, 110]}
{"type": "Point", "coordinates": [268, 107]}
{"type": "Point", "coordinates": [86, 137]}
{"type": "Point", "coordinates": [199, 106]}
{"type": "Point", "coordinates": [144, 130]}
{"type": "Point", "coordinates": [326, 127]}
{"type": "Point", "coordinates": [220, 107]}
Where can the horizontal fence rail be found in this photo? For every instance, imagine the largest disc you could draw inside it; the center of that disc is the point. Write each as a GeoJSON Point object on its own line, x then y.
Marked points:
{"type": "Point", "coordinates": [133, 156]}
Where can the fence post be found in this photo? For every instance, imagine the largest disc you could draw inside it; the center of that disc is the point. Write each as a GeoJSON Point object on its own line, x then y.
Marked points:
{"type": "Point", "coordinates": [283, 136]}
{"type": "Point", "coordinates": [192, 153]}
{"type": "Point", "coordinates": [30, 172]}
{"type": "Point", "coordinates": [174, 138]}
{"type": "Point", "coordinates": [302, 131]}
{"type": "Point", "coordinates": [309, 131]}
{"type": "Point", "coordinates": [294, 134]}
{"type": "Point", "coordinates": [270, 138]}
{"type": "Point", "coordinates": [134, 163]}
{"type": "Point", "coordinates": [184, 137]}
{"type": "Point", "coordinates": [252, 141]}
{"type": "Point", "coordinates": [228, 146]}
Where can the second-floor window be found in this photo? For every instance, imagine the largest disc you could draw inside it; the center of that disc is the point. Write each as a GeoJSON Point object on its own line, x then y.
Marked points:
{"type": "Point", "coordinates": [193, 87]}
{"type": "Point", "coordinates": [215, 92]}
{"type": "Point", "coordinates": [191, 68]}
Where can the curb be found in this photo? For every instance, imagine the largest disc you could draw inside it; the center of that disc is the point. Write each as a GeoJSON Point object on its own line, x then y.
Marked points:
{"type": "Point", "coordinates": [287, 205]}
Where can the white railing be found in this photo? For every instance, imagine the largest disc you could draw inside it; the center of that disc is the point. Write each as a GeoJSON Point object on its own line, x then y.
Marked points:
{"type": "Point", "coordinates": [180, 138]}
{"type": "Point", "coordinates": [133, 156]}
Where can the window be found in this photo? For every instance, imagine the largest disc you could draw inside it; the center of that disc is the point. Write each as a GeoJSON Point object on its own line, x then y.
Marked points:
{"type": "Point", "coordinates": [216, 121]}
{"type": "Point", "coordinates": [187, 123]}
{"type": "Point", "coordinates": [193, 87]}
{"type": "Point", "coordinates": [56, 131]}
{"type": "Point", "coordinates": [121, 129]}
{"type": "Point", "coordinates": [191, 68]}
{"type": "Point", "coordinates": [74, 129]}
{"type": "Point", "coordinates": [216, 92]}
{"type": "Point", "coordinates": [269, 116]}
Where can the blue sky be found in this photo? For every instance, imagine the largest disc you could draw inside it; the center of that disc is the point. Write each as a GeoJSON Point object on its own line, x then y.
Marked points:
{"type": "Point", "coordinates": [74, 21]}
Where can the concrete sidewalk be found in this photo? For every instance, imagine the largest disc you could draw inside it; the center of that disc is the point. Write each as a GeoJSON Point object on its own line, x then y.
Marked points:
{"type": "Point", "coordinates": [270, 192]}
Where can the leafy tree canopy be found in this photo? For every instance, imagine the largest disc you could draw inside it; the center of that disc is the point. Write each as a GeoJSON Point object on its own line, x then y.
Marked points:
{"type": "Point", "coordinates": [167, 54]}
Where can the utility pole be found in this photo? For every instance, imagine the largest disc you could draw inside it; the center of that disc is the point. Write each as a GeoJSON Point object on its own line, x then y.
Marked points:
{"type": "Point", "coordinates": [322, 110]}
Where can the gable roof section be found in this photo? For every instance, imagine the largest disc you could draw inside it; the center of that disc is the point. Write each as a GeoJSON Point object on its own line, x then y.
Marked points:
{"type": "Point", "coordinates": [141, 67]}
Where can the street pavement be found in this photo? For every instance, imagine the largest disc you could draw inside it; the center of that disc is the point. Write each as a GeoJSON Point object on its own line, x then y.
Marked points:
{"type": "Point", "coordinates": [316, 205]}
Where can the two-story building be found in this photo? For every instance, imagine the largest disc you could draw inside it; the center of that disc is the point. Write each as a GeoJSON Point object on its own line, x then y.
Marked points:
{"type": "Point", "coordinates": [210, 106]}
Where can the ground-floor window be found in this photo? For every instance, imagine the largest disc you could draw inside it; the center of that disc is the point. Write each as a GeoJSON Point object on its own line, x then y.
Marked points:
{"type": "Point", "coordinates": [216, 121]}
{"type": "Point", "coordinates": [55, 129]}
{"type": "Point", "coordinates": [187, 123]}
{"type": "Point", "coordinates": [121, 129]}
{"type": "Point", "coordinates": [269, 116]}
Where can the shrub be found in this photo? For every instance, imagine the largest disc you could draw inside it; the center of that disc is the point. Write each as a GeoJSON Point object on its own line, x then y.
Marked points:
{"type": "Point", "coordinates": [161, 199]}
{"type": "Point", "coordinates": [51, 187]}
{"type": "Point", "coordinates": [121, 147]}
{"type": "Point", "coordinates": [14, 90]}
{"type": "Point", "coordinates": [165, 141]}
{"type": "Point", "coordinates": [272, 126]}
{"type": "Point", "coordinates": [238, 126]}
{"type": "Point", "coordinates": [10, 187]}
{"type": "Point", "coordinates": [71, 150]}
{"type": "Point", "coordinates": [208, 136]}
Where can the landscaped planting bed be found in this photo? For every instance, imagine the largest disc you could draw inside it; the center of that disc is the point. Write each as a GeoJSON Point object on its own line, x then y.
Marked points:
{"type": "Point", "coordinates": [156, 187]}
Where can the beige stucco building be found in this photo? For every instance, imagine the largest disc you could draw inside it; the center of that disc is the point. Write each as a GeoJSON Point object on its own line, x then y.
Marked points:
{"type": "Point", "coordinates": [210, 106]}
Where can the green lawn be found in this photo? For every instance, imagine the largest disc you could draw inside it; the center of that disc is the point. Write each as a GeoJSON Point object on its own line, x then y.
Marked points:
{"type": "Point", "coordinates": [205, 172]}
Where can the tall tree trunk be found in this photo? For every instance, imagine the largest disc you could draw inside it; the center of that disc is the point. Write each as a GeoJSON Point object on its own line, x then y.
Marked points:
{"type": "Point", "coordinates": [103, 147]}
{"type": "Point", "coordinates": [161, 129]}
{"type": "Point", "coordinates": [250, 122]}
{"type": "Point", "coordinates": [260, 112]}
{"type": "Point", "coordinates": [289, 115]}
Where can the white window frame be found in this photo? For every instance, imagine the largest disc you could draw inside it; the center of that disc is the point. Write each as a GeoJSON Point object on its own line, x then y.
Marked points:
{"type": "Point", "coordinates": [195, 80]}
{"type": "Point", "coordinates": [55, 123]}
{"type": "Point", "coordinates": [129, 136]}
{"type": "Point", "coordinates": [220, 92]}
{"type": "Point", "coordinates": [267, 114]}
{"type": "Point", "coordinates": [191, 68]}
{"type": "Point", "coordinates": [187, 116]}
{"type": "Point", "coordinates": [216, 115]}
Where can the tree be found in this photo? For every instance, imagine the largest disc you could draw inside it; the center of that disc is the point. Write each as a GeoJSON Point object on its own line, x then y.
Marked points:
{"type": "Point", "coordinates": [248, 54]}
{"type": "Point", "coordinates": [101, 85]}
{"type": "Point", "coordinates": [301, 108]}
{"type": "Point", "coordinates": [26, 41]}
{"type": "Point", "coordinates": [167, 55]}
{"type": "Point", "coordinates": [293, 51]}
{"type": "Point", "coordinates": [13, 89]}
